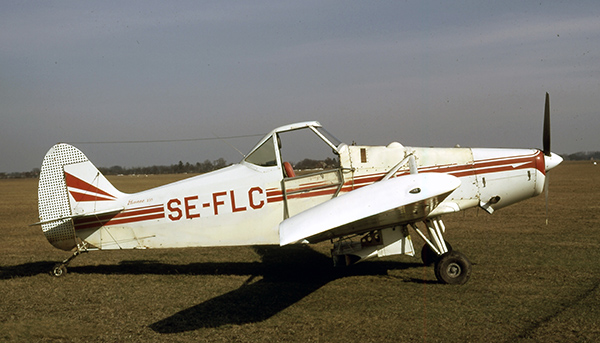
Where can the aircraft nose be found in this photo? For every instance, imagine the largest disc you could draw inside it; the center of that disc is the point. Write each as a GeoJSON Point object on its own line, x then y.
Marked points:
{"type": "Point", "coordinates": [552, 161]}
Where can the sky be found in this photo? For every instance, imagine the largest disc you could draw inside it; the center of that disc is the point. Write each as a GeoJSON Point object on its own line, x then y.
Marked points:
{"type": "Point", "coordinates": [422, 73]}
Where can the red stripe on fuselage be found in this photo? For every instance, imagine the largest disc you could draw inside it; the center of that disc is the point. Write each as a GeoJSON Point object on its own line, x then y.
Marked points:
{"type": "Point", "coordinates": [479, 167]}
{"type": "Point", "coordinates": [127, 216]}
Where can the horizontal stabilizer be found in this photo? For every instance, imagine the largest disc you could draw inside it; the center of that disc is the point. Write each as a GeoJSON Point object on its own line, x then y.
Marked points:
{"type": "Point", "coordinates": [94, 214]}
{"type": "Point", "coordinates": [386, 203]}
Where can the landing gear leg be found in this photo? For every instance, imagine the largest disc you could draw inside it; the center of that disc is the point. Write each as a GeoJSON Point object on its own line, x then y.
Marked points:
{"type": "Point", "coordinates": [451, 267]}
{"type": "Point", "coordinates": [428, 256]}
{"type": "Point", "coordinates": [60, 269]}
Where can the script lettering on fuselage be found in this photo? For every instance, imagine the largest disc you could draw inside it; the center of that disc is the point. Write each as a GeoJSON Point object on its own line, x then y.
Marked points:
{"type": "Point", "coordinates": [216, 203]}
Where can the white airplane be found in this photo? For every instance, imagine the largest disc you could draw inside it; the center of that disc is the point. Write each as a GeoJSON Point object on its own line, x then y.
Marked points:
{"type": "Point", "coordinates": [366, 202]}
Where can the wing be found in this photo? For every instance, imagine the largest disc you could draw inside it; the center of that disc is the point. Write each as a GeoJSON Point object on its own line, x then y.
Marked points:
{"type": "Point", "coordinates": [391, 202]}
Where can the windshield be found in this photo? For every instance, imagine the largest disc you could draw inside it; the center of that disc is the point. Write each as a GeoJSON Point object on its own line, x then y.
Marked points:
{"type": "Point", "coordinates": [265, 155]}
{"type": "Point", "coordinates": [304, 145]}
{"type": "Point", "coordinates": [336, 142]}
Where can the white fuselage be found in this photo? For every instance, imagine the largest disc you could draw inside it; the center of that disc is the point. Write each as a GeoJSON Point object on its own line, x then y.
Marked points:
{"type": "Point", "coordinates": [243, 204]}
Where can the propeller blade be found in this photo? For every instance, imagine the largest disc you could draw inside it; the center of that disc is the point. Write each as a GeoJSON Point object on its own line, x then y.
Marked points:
{"type": "Point", "coordinates": [546, 184]}
{"type": "Point", "coordinates": [546, 147]}
{"type": "Point", "coordinates": [546, 135]}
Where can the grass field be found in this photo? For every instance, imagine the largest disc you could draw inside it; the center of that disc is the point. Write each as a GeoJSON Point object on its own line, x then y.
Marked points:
{"type": "Point", "coordinates": [530, 282]}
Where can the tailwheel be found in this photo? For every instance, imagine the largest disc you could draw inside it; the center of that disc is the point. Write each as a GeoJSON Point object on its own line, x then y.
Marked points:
{"type": "Point", "coordinates": [453, 268]}
{"type": "Point", "coordinates": [428, 256]}
{"type": "Point", "coordinates": [59, 270]}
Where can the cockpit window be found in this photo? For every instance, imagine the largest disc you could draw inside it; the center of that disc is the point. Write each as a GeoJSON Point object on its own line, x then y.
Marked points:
{"type": "Point", "coordinates": [306, 151]}
{"type": "Point", "coordinates": [265, 155]}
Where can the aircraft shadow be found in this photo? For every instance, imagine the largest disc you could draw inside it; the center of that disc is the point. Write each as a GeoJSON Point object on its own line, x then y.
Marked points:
{"type": "Point", "coordinates": [282, 264]}
{"type": "Point", "coordinates": [26, 269]}
{"type": "Point", "coordinates": [284, 276]}
{"type": "Point", "coordinates": [287, 277]}
{"type": "Point", "coordinates": [282, 284]}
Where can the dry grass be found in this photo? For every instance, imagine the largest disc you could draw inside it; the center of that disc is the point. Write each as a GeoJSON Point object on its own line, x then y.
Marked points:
{"type": "Point", "coordinates": [530, 282]}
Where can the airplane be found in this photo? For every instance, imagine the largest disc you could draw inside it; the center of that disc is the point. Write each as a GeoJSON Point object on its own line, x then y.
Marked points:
{"type": "Point", "coordinates": [366, 200]}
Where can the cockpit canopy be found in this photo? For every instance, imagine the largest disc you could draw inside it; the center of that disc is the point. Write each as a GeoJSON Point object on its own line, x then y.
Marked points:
{"type": "Point", "coordinates": [296, 143]}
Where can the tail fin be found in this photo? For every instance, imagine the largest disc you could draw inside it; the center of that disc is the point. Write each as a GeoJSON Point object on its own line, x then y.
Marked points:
{"type": "Point", "coordinates": [71, 186]}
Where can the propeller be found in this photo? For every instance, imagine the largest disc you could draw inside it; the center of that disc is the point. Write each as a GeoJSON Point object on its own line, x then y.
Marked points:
{"type": "Point", "coordinates": [546, 147]}
{"type": "Point", "coordinates": [546, 135]}
{"type": "Point", "coordinates": [551, 160]}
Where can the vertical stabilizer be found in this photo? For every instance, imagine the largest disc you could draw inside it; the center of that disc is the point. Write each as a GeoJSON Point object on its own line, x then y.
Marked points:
{"type": "Point", "coordinates": [70, 185]}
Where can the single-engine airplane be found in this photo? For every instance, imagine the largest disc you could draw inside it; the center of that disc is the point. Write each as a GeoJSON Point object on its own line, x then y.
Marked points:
{"type": "Point", "coordinates": [365, 201]}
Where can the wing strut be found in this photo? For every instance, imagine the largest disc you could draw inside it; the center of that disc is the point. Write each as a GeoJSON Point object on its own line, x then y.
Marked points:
{"type": "Point", "coordinates": [410, 158]}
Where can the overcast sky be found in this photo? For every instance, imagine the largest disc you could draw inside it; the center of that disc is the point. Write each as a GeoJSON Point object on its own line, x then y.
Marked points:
{"type": "Point", "coordinates": [421, 73]}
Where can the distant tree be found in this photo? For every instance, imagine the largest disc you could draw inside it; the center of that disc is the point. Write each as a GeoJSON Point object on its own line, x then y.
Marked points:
{"type": "Point", "coordinates": [219, 163]}
{"type": "Point", "coordinates": [308, 163]}
{"type": "Point", "coordinates": [583, 155]}
{"type": "Point", "coordinates": [115, 170]}
{"type": "Point", "coordinates": [332, 162]}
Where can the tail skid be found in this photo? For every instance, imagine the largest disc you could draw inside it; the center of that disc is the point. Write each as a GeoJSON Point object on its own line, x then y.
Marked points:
{"type": "Point", "coordinates": [71, 186]}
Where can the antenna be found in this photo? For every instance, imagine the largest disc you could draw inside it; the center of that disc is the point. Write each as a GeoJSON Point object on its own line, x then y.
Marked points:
{"type": "Point", "coordinates": [231, 145]}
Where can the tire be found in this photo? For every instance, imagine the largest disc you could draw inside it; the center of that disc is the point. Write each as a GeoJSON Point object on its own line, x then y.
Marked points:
{"type": "Point", "coordinates": [453, 268]}
{"type": "Point", "coordinates": [345, 260]}
{"type": "Point", "coordinates": [59, 270]}
{"type": "Point", "coordinates": [428, 256]}
{"type": "Point", "coordinates": [339, 261]}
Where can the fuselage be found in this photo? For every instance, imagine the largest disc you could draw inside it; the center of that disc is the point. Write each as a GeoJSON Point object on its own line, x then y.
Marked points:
{"type": "Point", "coordinates": [243, 204]}
{"type": "Point", "coordinates": [363, 199]}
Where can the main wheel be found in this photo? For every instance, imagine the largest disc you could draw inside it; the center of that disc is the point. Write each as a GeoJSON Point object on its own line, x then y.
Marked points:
{"type": "Point", "coordinates": [344, 260]}
{"type": "Point", "coordinates": [428, 256]}
{"type": "Point", "coordinates": [453, 268]}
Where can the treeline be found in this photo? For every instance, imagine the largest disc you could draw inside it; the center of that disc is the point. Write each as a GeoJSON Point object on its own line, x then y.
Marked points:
{"type": "Point", "coordinates": [208, 166]}
{"type": "Point", "coordinates": [583, 155]}
{"type": "Point", "coordinates": [205, 167]}
{"type": "Point", "coordinates": [34, 173]}
{"type": "Point", "coordinates": [179, 168]}
{"type": "Point", "coordinates": [307, 163]}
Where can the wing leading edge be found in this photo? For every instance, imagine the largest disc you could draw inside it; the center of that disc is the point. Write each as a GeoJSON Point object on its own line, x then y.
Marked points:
{"type": "Point", "coordinates": [386, 203]}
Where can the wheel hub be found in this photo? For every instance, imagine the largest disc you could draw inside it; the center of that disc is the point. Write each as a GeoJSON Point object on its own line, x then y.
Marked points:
{"type": "Point", "coordinates": [453, 270]}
